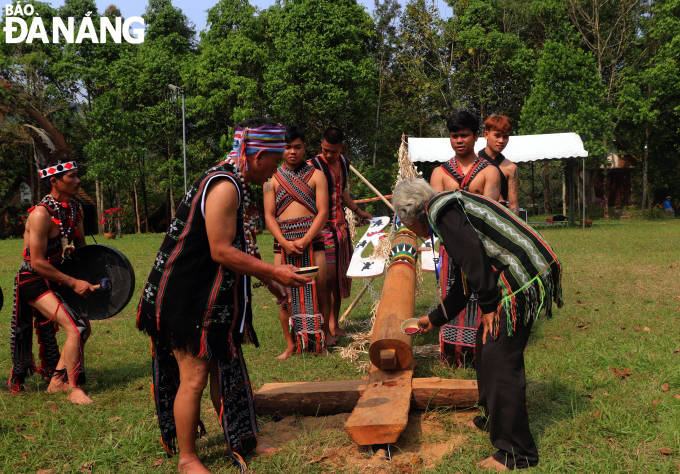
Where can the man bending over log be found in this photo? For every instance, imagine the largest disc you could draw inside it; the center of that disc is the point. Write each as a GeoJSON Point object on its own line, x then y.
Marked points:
{"type": "Point", "coordinates": [296, 210]}
{"type": "Point", "coordinates": [515, 274]}
{"type": "Point", "coordinates": [497, 130]}
{"type": "Point", "coordinates": [338, 244]}
{"type": "Point", "coordinates": [53, 225]}
{"type": "Point", "coordinates": [196, 304]}
{"type": "Point", "coordinates": [468, 172]}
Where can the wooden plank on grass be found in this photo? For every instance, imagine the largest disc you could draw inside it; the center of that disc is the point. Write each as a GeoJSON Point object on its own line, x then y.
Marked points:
{"type": "Point", "coordinates": [330, 398]}
{"type": "Point", "coordinates": [309, 398]}
{"type": "Point", "coordinates": [381, 414]}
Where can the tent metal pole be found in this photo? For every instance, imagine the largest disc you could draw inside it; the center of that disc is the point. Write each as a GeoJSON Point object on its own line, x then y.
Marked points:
{"type": "Point", "coordinates": [584, 193]}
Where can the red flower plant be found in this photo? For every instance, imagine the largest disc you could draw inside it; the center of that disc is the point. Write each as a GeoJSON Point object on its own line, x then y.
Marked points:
{"type": "Point", "coordinates": [108, 219]}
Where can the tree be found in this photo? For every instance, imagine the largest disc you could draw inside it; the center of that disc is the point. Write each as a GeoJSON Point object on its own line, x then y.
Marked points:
{"type": "Point", "coordinates": [320, 72]}
{"type": "Point", "coordinates": [568, 96]}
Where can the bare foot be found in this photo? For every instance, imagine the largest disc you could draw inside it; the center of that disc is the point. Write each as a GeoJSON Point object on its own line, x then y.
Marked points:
{"type": "Point", "coordinates": [339, 332]}
{"type": "Point", "coordinates": [57, 385]}
{"type": "Point", "coordinates": [192, 465]}
{"type": "Point", "coordinates": [78, 397]}
{"type": "Point", "coordinates": [286, 354]}
{"type": "Point", "coordinates": [331, 340]}
{"type": "Point", "coordinates": [490, 464]}
{"type": "Point", "coordinates": [263, 448]}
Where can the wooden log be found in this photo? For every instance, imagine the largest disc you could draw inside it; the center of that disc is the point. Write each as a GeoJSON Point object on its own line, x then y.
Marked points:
{"type": "Point", "coordinates": [381, 414]}
{"type": "Point", "coordinates": [330, 398]}
{"type": "Point", "coordinates": [397, 303]}
{"type": "Point", "coordinates": [309, 398]}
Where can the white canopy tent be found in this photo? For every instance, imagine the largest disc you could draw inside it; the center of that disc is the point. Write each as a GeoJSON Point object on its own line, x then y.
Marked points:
{"type": "Point", "coordinates": [520, 149]}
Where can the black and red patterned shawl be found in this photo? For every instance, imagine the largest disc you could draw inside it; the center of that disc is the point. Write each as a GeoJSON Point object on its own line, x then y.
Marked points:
{"type": "Point", "coordinates": [453, 169]}
{"type": "Point", "coordinates": [294, 187]}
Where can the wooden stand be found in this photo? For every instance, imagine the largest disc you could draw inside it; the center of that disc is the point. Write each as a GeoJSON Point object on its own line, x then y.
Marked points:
{"type": "Point", "coordinates": [379, 405]}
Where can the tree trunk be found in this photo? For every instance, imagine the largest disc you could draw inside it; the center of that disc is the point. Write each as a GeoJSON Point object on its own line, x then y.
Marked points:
{"type": "Point", "coordinates": [645, 190]}
{"type": "Point", "coordinates": [546, 187]}
{"type": "Point", "coordinates": [100, 206]}
{"type": "Point", "coordinates": [135, 198]}
{"type": "Point", "coordinates": [118, 223]}
{"type": "Point", "coordinates": [172, 204]}
{"type": "Point", "coordinates": [146, 204]}
{"type": "Point", "coordinates": [31, 167]}
{"type": "Point", "coordinates": [605, 193]}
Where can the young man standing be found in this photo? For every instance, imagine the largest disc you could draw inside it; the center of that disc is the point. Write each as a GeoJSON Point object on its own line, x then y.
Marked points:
{"type": "Point", "coordinates": [296, 210]}
{"type": "Point", "coordinates": [497, 130]}
{"type": "Point", "coordinates": [52, 227]}
{"type": "Point", "coordinates": [335, 167]}
{"type": "Point", "coordinates": [466, 172]}
{"type": "Point", "coordinates": [196, 304]}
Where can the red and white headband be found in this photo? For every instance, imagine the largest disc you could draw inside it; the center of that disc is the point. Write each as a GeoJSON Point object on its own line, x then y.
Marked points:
{"type": "Point", "coordinates": [57, 169]}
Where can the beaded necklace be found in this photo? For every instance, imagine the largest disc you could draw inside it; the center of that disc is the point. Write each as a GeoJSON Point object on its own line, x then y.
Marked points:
{"type": "Point", "coordinates": [248, 218]}
{"type": "Point", "coordinates": [60, 209]}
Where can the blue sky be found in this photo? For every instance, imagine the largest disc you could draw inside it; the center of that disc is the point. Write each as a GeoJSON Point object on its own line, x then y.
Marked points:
{"type": "Point", "coordinates": [196, 9]}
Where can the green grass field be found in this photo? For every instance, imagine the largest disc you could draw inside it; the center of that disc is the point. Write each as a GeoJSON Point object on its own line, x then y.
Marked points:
{"type": "Point", "coordinates": [622, 293]}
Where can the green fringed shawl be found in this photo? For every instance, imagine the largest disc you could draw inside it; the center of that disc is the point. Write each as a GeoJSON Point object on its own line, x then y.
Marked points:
{"type": "Point", "coordinates": [530, 276]}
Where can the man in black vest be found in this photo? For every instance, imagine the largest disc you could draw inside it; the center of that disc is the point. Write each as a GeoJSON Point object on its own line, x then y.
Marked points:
{"type": "Point", "coordinates": [196, 304]}
{"type": "Point", "coordinates": [497, 130]}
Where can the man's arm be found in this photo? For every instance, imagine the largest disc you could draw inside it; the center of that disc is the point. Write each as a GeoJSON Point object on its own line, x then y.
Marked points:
{"type": "Point", "coordinates": [492, 183]}
{"type": "Point", "coordinates": [513, 187]}
{"type": "Point", "coordinates": [321, 191]}
{"type": "Point", "coordinates": [39, 223]}
{"type": "Point", "coordinates": [437, 179]}
{"type": "Point", "coordinates": [221, 206]}
{"type": "Point", "coordinates": [464, 246]}
{"type": "Point", "coordinates": [349, 202]}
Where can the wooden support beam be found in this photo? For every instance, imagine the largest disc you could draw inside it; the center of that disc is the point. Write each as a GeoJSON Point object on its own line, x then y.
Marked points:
{"type": "Point", "coordinates": [330, 398]}
{"type": "Point", "coordinates": [381, 414]}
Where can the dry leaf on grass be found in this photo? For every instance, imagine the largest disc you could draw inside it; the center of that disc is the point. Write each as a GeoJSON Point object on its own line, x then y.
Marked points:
{"type": "Point", "coordinates": [666, 451]}
{"type": "Point", "coordinates": [655, 402]}
{"type": "Point", "coordinates": [646, 329]}
{"type": "Point", "coordinates": [677, 349]}
{"type": "Point", "coordinates": [316, 460]}
{"type": "Point", "coordinates": [665, 387]}
{"type": "Point", "coordinates": [623, 372]}
{"type": "Point", "coordinates": [582, 326]}
{"type": "Point", "coordinates": [557, 338]}
{"type": "Point", "coordinates": [53, 407]}
{"type": "Point", "coordinates": [157, 462]}
{"type": "Point", "coordinates": [45, 471]}
{"type": "Point", "coordinates": [597, 413]}
{"type": "Point", "coordinates": [636, 328]}
{"type": "Point", "coordinates": [265, 307]}
{"type": "Point", "coordinates": [30, 438]}
{"type": "Point", "coordinates": [677, 395]}
{"type": "Point", "coordinates": [24, 455]}
{"type": "Point", "coordinates": [115, 418]}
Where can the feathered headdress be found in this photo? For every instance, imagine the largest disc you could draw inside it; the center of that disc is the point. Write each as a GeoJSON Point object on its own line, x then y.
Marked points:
{"type": "Point", "coordinates": [50, 150]}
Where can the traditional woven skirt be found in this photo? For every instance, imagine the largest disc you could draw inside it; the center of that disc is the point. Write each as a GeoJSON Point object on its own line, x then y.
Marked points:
{"type": "Point", "coordinates": [339, 253]}
{"type": "Point", "coordinates": [30, 287]}
{"type": "Point", "coordinates": [457, 337]}
{"type": "Point", "coordinates": [237, 404]}
{"type": "Point", "coordinates": [305, 317]}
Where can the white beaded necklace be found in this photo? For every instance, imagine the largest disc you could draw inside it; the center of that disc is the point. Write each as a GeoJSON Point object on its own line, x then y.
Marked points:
{"type": "Point", "coordinates": [248, 219]}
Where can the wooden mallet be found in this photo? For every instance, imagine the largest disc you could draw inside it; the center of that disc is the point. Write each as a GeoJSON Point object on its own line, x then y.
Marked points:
{"type": "Point", "coordinates": [104, 286]}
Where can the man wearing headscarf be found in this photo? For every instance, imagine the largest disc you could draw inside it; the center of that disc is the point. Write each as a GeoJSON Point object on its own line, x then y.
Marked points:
{"type": "Point", "coordinates": [54, 227]}
{"type": "Point", "coordinates": [196, 304]}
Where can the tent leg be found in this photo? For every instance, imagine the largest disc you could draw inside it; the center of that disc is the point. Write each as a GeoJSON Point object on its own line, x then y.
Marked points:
{"type": "Point", "coordinates": [584, 193]}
